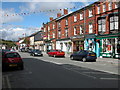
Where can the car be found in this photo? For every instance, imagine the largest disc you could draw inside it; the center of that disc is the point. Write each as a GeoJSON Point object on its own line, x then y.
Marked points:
{"type": "Point", "coordinates": [56, 53]}
{"type": "Point", "coordinates": [11, 59]}
{"type": "Point", "coordinates": [36, 52]}
{"type": "Point", "coordinates": [84, 55]}
{"type": "Point", "coordinates": [29, 50]}
{"type": "Point", "coordinates": [22, 49]}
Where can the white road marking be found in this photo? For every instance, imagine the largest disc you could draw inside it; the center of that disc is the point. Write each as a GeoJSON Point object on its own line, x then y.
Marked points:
{"type": "Point", "coordinates": [81, 73]}
{"type": "Point", "coordinates": [110, 78]}
{"type": "Point", "coordinates": [8, 82]}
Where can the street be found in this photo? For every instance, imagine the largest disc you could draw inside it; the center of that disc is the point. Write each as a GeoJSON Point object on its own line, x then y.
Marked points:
{"type": "Point", "coordinates": [50, 72]}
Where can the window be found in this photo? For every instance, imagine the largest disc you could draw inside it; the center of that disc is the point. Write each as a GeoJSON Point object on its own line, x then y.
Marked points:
{"type": "Point", "coordinates": [53, 26]}
{"type": "Point", "coordinates": [48, 28]}
{"type": "Point", "coordinates": [102, 25]}
{"type": "Point", "coordinates": [90, 13]}
{"type": "Point", "coordinates": [98, 9]}
{"type": "Point", "coordinates": [104, 8]}
{"type": "Point", "coordinates": [58, 24]}
{"type": "Point", "coordinates": [53, 35]}
{"type": "Point", "coordinates": [116, 5]}
{"type": "Point", "coordinates": [48, 37]}
{"type": "Point", "coordinates": [90, 28]}
{"type": "Point", "coordinates": [75, 18]}
{"type": "Point", "coordinates": [66, 22]}
{"type": "Point", "coordinates": [66, 32]}
{"type": "Point", "coordinates": [81, 30]}
{"type": "Point", "coordinates": [44, 29]}
{"type": "Point", "coordinates": [110, 6]}
{"type": "Point", "coordinates": [59, 34]}
{"type": "Point", "coordinates": [113, 22]}
{"type": "Point", "coordinates": [81, 16]}
{"type": "Point", "coordinates": [75, 31]}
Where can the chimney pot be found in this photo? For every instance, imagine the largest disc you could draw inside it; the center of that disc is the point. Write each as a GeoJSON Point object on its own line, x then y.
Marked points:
{"type": "Point", "coordinates": [65, 11]}
{"type": "Point", "coordinates": [58, 14]}
{"type": "Point", "coordinates": [51, 18]}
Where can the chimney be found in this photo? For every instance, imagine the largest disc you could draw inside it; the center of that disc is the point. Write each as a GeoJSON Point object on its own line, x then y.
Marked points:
{"type": "Point", "coordinates": [51, 18]}
{"type": "Point", "coordinates": [65, 11]}
{"type": "Point", "coordinates": [58, 14]}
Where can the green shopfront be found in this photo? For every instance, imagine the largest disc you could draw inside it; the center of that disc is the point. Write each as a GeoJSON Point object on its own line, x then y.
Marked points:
{"type": "Point", "coordinates": [108, 45]}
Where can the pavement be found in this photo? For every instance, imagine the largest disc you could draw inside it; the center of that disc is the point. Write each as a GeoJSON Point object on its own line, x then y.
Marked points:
{"type": "Point", "coordinates": [104, 60]}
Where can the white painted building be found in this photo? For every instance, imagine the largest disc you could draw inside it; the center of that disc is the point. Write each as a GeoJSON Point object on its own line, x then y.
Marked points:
{"type": "Point", "coordinates": [64, 45]}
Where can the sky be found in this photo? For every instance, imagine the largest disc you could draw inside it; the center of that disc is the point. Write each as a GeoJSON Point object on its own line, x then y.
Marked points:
{"type": "Point", "coordinates": [19, 19]}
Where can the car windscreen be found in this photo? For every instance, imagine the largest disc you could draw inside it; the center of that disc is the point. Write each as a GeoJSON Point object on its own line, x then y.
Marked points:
{"type": "Point", "coordinates": [12, 55]}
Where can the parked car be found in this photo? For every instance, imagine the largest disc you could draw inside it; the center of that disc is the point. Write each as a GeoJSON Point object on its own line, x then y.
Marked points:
{"type": "Point", "coordinates": [11, 59]}
{"type": "Point", "coordinates": [84, 55]}
{"type": "Point", "coordinates": [36, 52]}
{"type": "Point", "coordinates": [29, 50]}
{"type": "Point", "coordinates": [56, 53]}
{"type": "Point", "coordinates": [22, 49]}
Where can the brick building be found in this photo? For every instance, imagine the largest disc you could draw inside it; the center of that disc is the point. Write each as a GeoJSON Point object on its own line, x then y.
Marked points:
{"type": "Point", "coordinates": [94, 27]}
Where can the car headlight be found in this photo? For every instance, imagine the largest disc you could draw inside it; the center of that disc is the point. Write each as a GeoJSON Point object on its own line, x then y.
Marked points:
{"type": "Point", "coordinates": [35, 53]}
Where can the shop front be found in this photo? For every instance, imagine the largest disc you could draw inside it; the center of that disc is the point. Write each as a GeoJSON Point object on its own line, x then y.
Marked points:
{"type": "Point", "coordinates": [78, 43]}
{"type": "Point", "coordinates": [64, 45]}
{"type": "Point", "coordinates": [108, 45]}
{"type": "Point", "coordinates": [90, 42]}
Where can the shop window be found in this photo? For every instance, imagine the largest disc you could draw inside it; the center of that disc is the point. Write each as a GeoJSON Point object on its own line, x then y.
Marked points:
{"type": "Point", "coordinates": [118, 46]}
{"type": "Point", "coordinates": [104, 45]}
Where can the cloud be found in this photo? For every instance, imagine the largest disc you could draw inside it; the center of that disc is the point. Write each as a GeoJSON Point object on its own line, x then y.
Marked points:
{"type": "Point", "coordinates": [15, 33]}
{"type": "Point", "coordinates": [10, 18]}
{"type": "Point", "coordinates": [47, 6]}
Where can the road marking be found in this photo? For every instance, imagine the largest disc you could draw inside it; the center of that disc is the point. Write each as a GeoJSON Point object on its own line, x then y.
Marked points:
{"type": "Point", "coordinates": [110, 78]}
{"type": "Point", "coordinates": [81, 73]}
{"type": "Point", "coordinates": [6, 79]}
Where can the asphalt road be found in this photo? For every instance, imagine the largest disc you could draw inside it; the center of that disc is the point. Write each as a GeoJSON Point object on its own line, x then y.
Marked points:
{"type": "Point", "coordinates": [40, 72]}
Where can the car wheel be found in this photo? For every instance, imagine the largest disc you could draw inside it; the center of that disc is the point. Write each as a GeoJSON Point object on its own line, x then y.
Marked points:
{"type": "Point", "coordinates": [84, 60]}
{"type": "Point", "coordinates": [71, 58]}
{"type": "Point", "coordinates": [21, 67]}
{"type": "Point", "coordinates": [33, 55]}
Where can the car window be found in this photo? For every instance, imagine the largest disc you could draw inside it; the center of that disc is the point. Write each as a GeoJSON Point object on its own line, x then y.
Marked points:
{"type": "Point", "coordinates": [12, 55]}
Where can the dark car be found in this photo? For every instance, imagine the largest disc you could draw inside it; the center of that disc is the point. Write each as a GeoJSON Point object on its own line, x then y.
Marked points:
{"type": "Point", "coordinates": [29, 50]}
{"type": "Point", "coordinates": [36, 52]}
{"type": "Point", "coordinates": [22, 49]}
{"type": "Point", "coordinates": [11, 60]}
{"type": "Point", "coordinates": [56, 53]}
{"type": "Point", "coordinates": [84, 55]}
